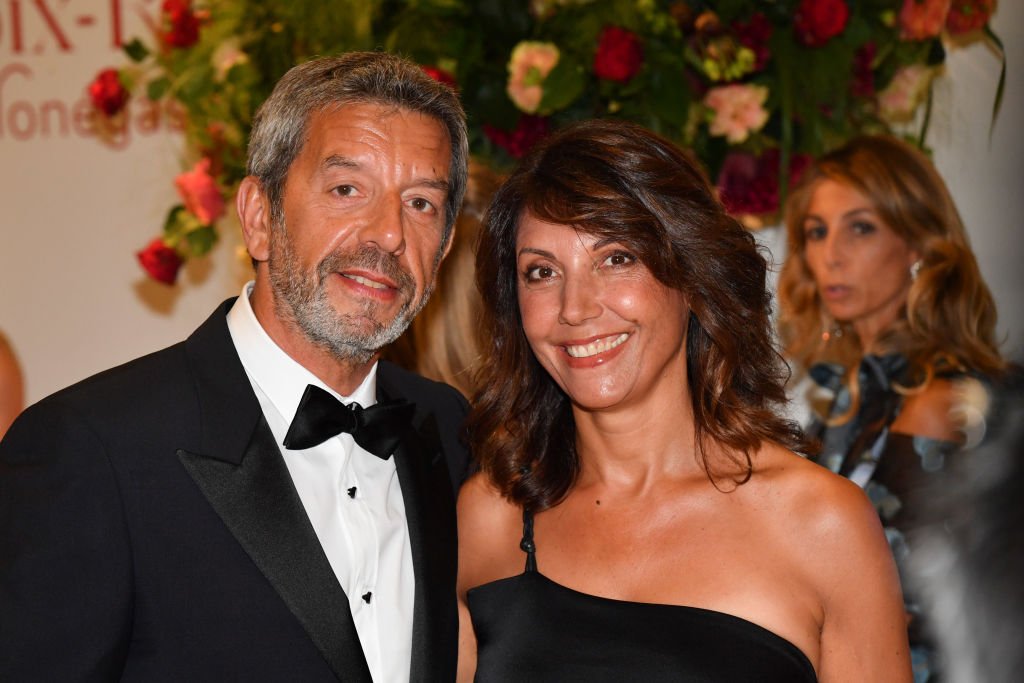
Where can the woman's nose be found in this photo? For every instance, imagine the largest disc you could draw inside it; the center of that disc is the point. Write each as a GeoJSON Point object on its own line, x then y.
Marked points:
{"type": "Point", "coordinates": [580, 300]}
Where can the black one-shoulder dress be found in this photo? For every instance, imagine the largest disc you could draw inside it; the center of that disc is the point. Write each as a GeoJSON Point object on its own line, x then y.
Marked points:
{"type": "Point", "coordinates": [529, 628]}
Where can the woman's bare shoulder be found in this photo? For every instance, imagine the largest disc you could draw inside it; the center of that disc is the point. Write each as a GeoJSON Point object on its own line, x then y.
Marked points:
{"type": "Point", "coordinates": [490, 528]}
{"type": "Point", "coordinates": [819, 506]}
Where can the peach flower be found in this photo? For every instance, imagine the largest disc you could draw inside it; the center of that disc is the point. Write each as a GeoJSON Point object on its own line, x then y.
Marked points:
{"type": "Point", "coordinates": [199, 191]}
{"type": "Point", "coordinates": [923, 19]}
{"type": "Point", "coordinates": [899, 100]}
{"type": "Point", "coordinates": [529, 65]}
{"type": "Point", "coordinates": [738, 110]}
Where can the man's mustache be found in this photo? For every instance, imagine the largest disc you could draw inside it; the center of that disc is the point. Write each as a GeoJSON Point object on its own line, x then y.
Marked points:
{"type": "Point", "coordinates": [368, 258]}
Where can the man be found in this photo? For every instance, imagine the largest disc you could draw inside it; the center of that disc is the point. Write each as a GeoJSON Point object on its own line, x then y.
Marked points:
{"type": "Point", "coordinates": [211, 511]}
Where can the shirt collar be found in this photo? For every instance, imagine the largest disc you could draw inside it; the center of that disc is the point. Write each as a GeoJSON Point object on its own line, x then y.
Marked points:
{"type": "Point", "coordinates": [277, 374]}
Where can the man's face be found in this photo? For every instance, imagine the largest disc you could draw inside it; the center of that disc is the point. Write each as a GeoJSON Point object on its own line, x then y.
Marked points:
{"type": "Point", "coordinates": [364, 213]}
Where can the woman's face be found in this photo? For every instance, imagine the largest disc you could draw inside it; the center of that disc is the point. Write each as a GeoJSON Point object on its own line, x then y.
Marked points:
{"type": "Point", "coordinates": [860, 265]}
{"type": "Point", "coordinates": [598, 321]}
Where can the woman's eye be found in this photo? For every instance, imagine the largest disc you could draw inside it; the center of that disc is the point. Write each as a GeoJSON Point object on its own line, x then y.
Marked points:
{"type": "Point", "coordinates": [620, 258]}
{"type": "Point", "coordinates": [863, 228]}
{"type": "Point", "coordinates": [538, 273]}
{"type": "Point", "coordinates": [813, 233]}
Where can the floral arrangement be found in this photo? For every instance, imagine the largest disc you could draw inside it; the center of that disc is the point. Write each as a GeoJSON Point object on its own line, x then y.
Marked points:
{"type": "Point", "coordinates": [755, 88]}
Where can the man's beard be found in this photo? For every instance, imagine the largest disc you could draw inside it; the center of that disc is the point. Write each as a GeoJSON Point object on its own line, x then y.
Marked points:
{"type": "Point", "coordinates": [302, 297]}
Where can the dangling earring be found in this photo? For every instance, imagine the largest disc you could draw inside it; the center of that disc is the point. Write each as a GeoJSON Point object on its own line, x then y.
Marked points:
{"type": "Point", "coordinates": [830, 329]}
{"type": "Point", "coordinates": [915, 268]}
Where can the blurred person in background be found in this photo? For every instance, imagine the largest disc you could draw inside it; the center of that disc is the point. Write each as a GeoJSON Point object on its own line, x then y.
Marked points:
{"type": "Point", "coordinates": [883, 304]}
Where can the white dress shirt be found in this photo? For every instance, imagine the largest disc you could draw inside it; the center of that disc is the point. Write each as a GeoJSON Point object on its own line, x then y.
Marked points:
{"type": "Point", "coordinates": [352, 498]}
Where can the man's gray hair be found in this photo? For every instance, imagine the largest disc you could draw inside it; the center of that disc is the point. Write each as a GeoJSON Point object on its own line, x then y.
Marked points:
{"type": "Point", "coordinates": [279, 129]}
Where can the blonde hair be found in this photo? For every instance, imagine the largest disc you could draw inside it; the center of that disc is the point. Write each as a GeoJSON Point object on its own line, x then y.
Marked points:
{"type": "Point", "coordinates": [443, 342]}
{"type": "Point", "coordinates": [950, 316]}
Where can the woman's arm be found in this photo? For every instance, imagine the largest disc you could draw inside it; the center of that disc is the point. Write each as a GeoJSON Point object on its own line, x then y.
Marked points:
{"type": "Point", "coordinates": [864, 628]}
{"type": "Point", "coordinates": [489, 534]}
{"type": "Point", "coordinates": [930, 413]}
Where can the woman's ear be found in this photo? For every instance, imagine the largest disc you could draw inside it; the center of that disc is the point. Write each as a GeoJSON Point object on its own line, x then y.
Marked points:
{"type": "Point", "coordinates": [253, 208]}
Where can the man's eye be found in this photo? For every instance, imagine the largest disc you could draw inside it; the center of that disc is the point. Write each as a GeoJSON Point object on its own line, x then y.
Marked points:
{"type": "Point", "coordinates": [345, 190]}
{"type": "Point", "coordinates": [421, 204]}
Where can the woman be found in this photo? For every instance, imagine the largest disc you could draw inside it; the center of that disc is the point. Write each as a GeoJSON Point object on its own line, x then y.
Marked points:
{"type": "Point", "coordinates": [883, 302]}
{"type": "Point", "coordinates": [630, 455]}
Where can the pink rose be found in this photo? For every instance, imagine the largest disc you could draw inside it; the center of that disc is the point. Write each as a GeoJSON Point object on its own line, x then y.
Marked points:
{"type": "Point", "coordinates": [968, 15]}
{"type": "Point", "coordinates": [738, 110]}
{"type": "Point", "coordinates": [107, 93]}
{"type": "Point", "coordinates": [905, 91]}
{"type": "Point", "coordinates": [922, 19]}
{"type": "Point", "coordinates": [199, 191]}
{"type": "Point", "coordinates": [818, 21]}
{"type": "Point", "coordinates": [529, 65]}
{"type": "Point", "coordinates": [619, 55]}
{"type": "Point", "coordinates": [160, 261]}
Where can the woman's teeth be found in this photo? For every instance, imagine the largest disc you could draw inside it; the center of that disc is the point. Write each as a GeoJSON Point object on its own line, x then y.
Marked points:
{"type": "Point", "coordinates": [596, 347]}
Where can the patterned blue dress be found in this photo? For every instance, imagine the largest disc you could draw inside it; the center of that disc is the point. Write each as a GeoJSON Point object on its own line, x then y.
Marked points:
{"type": "Point", "coordinates": [895, 470]}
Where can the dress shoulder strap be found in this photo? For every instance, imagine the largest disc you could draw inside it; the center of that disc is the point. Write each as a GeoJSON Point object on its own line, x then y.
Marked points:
{"type": "Point", "coordinates": [527, 545]}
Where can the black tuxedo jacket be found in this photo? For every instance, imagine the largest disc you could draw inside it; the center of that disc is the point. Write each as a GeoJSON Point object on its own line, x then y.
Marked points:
{"type": "Point", "coordinates": [150, 531]}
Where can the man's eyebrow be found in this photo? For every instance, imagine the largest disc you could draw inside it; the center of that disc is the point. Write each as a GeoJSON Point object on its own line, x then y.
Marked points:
{"type": "Point", "coordinates": [336, 160]}
{"type": "Point", "coordinates": [339, 161]}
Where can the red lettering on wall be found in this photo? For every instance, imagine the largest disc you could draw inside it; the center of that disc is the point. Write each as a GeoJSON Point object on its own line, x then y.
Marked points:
{"type": "Point", "coordinates": [51, 23]}
{"type": "Point", "coordinates": [25, 119]}
{"type": "Point", "coordinates": [116, 29]}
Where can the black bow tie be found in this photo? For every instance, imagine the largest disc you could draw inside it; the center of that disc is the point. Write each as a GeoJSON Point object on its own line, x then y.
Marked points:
{"type": "Point", "coordinates": [378, 429]}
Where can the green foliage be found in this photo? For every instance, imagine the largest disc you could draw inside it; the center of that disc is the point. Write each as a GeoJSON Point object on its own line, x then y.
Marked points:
{"type": "Point", "coordinates": [816, 98]}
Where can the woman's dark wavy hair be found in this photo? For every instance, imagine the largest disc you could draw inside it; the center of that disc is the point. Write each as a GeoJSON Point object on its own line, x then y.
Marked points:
{"type": "Point", "coordinates": [617, 180]}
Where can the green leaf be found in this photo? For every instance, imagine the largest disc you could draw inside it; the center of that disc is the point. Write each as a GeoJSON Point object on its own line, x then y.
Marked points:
{"type": "Point", "coordinates": [136, 51]}
{"type": "Point", "coordinates": [158, 88]}
{"type": "Point", "coordinates": [563, 85]}
{"type": "Point", "coordinates": [201, 240]}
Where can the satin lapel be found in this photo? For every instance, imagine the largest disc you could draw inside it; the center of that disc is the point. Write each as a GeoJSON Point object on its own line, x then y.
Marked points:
{"type": "Point", "coordinates": [430, 511]}
{"type": "Point", "coordinates": [243, 475]}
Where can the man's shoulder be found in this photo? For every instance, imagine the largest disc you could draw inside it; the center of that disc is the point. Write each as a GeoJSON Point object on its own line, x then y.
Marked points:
{"type": "Point", "coordinates": [158, 377]}
{"type": "Point", "coordinates": [419, 389]}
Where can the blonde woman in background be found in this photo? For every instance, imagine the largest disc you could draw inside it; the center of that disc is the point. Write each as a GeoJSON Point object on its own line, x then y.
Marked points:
{"type": "Point", "coordinates": [882, 302]}
{"type": "Point", "coordinates": [443, 341]}
{"type": "Point", "coordinates": [12, 386]}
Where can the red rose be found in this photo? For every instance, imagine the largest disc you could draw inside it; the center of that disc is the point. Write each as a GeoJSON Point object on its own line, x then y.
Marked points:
{"type": "Point", "coordinates": [863, 84]}
{"type": "Point", "coordinates": [817, 21]}
{"type": "Point", "coordinates": [619, 54]}
{"type": "Point", "coordinates": [107, 93]}
{"type": "Point", "coordinates": [181, 22]}
{"type": "Point", "coordinates": [749, 185]}
{"type": "Point", "coordinates": [160, 261]}
{"type": "Point", "coordinates": [528, 132]}
{"type": "Point", "coordinates": [441, 76]}
{"type": "Point", "coordinates": [755, 35]}
{"type": "Point", "coordinates": [968, 15]}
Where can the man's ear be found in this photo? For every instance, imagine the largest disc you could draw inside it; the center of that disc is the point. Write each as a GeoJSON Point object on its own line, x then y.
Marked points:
{"type": "Point", "coordinates": [254, 215]}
